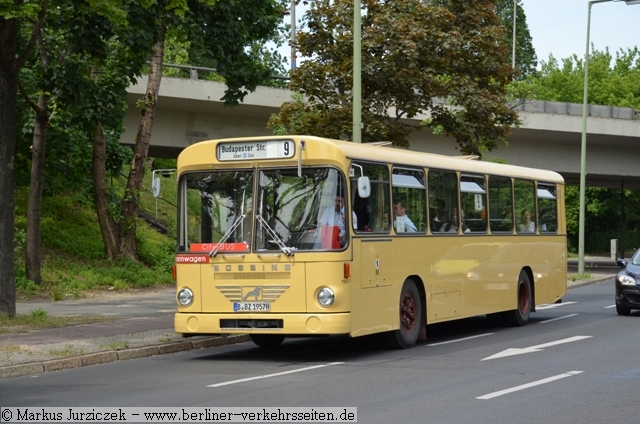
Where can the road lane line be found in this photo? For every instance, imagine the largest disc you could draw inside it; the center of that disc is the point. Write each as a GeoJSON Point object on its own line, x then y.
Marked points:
{"type": "Point", "coordinates": [459, 340]}
{"type": "Point", "coordinates": [610, 306]}
{"type": "Point", "coordinates": [554, 305]}
{"type": "Point", "coordinates": [529, 385]}
{"type": "Point", "coordinates": [556, 319]}
{"type": "Point", "coordinates": [258, 377]}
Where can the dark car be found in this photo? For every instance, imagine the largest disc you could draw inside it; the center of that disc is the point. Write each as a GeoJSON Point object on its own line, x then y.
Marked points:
{"type": "Point", "coordinates": [628, 285]}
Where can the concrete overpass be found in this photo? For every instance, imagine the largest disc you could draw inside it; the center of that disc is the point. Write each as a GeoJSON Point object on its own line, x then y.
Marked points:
{"type": "Point", "coordinates": [550, 136]}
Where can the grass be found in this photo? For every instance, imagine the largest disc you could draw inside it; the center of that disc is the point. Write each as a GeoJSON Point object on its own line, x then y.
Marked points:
{"type": "Point", "coordinates": [73, 255]}
{"type": "Point", "coordinates": [66, 352]}
{"type": "Point", "coordinates": [38, 321]}
{"type": "Point", "coordinates": [116, 346]}
{"type": "Point", "coordinates": [583, 276]}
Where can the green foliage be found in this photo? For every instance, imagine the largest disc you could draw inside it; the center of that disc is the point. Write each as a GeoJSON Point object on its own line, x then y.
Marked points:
{"type": "Point", "coordinates": [603, 220]}
{"type": "Point", "coordinates": [412, 53]}
{"type": "Point", "coordinates": [161, 163]}
{"type": "Point", "coordinates": [38, 313]}
{"type": "Point", "coordinates": [155, 250]}
{"type": "Point", "coordinates": [229, 36]}
{"type": "Point", "coordinates": [73, 260]}
{"type": "Point", "coordinates": [526, 59]}
{"type": "Point", "coordinates": [10, 9]}
{"type": "Point", "coordinates": [612, 81]}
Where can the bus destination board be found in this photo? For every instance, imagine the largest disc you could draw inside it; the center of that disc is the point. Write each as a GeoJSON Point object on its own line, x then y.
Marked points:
{"type": "Point", "coordinates": [248, 150]}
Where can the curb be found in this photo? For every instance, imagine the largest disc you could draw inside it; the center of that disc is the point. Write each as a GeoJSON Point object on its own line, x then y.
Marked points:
{"type": "Point", "coordinates": [573, 285]}
{"type": "Point", "coordinates": [32, 368]}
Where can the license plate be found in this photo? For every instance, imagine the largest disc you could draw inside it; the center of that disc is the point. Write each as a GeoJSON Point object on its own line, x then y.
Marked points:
{"type": "Point", "coordinates": [252, 307]}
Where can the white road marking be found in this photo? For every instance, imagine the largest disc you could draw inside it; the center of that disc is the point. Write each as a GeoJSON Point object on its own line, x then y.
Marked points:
{"type": "Point", "coordinates": [553, 305]}
{"type": "Point", "coordinates": [537, 348]}
{"type": "Point", "coordinates": [459, 340]}
{"type": "Point", "coordinates": [610, 306]}
{"type": "Point", "coordinates": [557, 319]}
{"type": "Point", "coordinates": [528, 385]}
{"type": "Point", "coordinates": [258, 377]}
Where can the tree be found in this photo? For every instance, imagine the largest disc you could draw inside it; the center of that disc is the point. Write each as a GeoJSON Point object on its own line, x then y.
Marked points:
{"type": "Point", "coordinates": [69, 30]}
{"type": "Point", "coordinates": [13, 53]}
{"type": "Point", "coordinates": [603, 220]}
{"type": "Point", "coordinates": [612, 81]}
{"type": "Point", "coordinates": [526, 59]}
{"type": "Point", "coordinates": [222, 31]}
{"type": "Point", "coordinates": [413, 53]}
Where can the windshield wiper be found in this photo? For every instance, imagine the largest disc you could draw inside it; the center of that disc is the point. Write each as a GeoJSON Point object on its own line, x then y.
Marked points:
{"type": "Point", "coordinates": [277, 240]}
{"type": "Point", "coordinates": [226, 235]}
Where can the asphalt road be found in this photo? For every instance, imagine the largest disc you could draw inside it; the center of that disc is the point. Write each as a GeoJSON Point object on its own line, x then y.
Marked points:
{"type": "Point", "coordinates": [576, 361]}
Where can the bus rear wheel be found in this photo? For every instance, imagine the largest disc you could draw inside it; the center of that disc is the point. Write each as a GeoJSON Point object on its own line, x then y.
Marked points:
{"type": "Point", "coordinates": [410, 318]}
{"type": "Point", "coordinates": [268, 341]}
{"type": "Point", "coordinates": [519, 317]}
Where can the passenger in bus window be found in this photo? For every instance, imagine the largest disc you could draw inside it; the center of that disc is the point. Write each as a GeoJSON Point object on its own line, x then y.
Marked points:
{"type": "Point", "coordinates": [335, 216]}
{"type": "Point", "coordinates": [437, 215]}
{"type": "Point", "coordinates": [527, 225]}
{"type": "Point", "coordinates": [438, 211]}
{"type": "Point", "coordinates": [452, 226]}
{"type": "Point", "coordinates": [401, 221]}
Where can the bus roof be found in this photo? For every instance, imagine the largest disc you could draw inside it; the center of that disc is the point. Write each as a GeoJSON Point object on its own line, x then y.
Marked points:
{"type": "Point", "coordinates": [372, 152]}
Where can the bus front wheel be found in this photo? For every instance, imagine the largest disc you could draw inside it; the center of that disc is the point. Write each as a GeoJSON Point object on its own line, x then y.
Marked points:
{"type": "Point", "coordinates": [520, 316]}
{"type": "Point", "coordinates": [410, 312]}
{"type": "Point", "coordinates": [268, 341]}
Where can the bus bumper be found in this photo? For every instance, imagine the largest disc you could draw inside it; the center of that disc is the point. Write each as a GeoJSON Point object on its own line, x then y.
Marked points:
{"type": "Point", "coordinates": [298, 324]}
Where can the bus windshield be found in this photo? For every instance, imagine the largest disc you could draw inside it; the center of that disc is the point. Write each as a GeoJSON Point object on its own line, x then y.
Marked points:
{"type": "Point", "coordinates": [296, 207]}
{"type": "Point", "coordinates": [217, 211]}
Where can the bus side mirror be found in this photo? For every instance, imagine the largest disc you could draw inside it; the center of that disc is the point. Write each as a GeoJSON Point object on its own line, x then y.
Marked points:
{"type": "Point", "coordinates": [364, 187]}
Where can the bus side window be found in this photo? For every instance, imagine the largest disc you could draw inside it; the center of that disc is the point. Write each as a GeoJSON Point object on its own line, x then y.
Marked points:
{"type": "Point", "coordinates": [409, 201]}
{"type": "Point", "coordinates": [473, 196]}
{"type": "Point", "coordinates": [524, 192]}
{"type": "Point", "coordinates": [500, 205]}
{"type": "Point", "coordinates": [547, 205]}
{"type": "Point", "coordinates": [443, 199]}
{"type": "Point", "coordinates": [373, 212]}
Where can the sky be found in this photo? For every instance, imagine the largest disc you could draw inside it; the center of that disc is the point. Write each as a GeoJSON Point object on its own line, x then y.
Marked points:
{"type": "Point", "coordinates": [559, 27]}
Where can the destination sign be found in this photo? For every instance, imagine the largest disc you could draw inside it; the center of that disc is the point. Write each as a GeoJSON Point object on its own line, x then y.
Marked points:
{"type": "Point", "coordinates": [267, 149]}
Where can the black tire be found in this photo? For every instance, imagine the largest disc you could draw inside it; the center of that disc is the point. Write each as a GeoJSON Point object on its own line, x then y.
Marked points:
{"type": "Point", "coordinates": [519, 317]}
{"type": "Point", "coordinates": [410, 315]}
{"type": "Point", "coordinates": [268, 341]}
{"type": "Point", "coordinates": [621, 310]}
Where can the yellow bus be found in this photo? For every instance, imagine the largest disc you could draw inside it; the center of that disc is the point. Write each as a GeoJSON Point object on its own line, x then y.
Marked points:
{"type": "Point", "coordinates": [305, 236]}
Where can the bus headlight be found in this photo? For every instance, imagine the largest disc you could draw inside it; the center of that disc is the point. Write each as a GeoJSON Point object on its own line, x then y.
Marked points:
{"type": "Point", "coordinates": [185, 297]}
{"type": "Point", "coordinates": [326, 297]}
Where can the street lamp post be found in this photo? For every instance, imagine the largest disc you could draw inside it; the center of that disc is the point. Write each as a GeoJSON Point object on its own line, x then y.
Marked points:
{"type": "Point", "coordinates": [583, 152]}
{"type": "Point", "coordinates": [513, 48]}
{"type": "Point", "coordinates": [293, 34]}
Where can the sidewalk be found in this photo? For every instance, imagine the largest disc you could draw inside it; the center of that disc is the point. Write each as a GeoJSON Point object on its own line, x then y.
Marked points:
{"type": "Point", "coordinates": [142, 326]}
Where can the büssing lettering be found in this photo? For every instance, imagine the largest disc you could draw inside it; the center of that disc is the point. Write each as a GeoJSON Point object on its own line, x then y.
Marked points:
{"type": "Point", "coordinates": [252, 267]}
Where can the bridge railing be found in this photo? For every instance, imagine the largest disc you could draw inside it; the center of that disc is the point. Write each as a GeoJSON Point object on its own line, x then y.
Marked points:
{"type": "Point", "coordinates": [535, 106]}
{"type": "Point", "coordinates": [565, 108]}
{"type": "Point", "coordinates": [193, 71]}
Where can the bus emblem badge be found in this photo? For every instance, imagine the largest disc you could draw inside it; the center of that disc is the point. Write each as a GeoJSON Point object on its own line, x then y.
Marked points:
{"type": "Point", "coordinates": [252, 293]}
